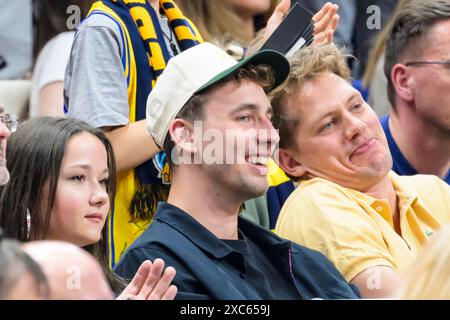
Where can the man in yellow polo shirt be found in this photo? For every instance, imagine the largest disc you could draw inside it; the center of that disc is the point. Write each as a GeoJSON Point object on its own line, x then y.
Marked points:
{"type": "Point", "coordinates": [349, 205]}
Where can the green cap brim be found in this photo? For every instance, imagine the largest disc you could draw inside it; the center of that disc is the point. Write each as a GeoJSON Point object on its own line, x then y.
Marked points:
{"type": "Point", "coordinates": [272, 58]}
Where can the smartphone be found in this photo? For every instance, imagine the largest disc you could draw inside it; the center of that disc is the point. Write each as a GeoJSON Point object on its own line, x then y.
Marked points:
{"type": "Point", "coordinates": [295, 31]}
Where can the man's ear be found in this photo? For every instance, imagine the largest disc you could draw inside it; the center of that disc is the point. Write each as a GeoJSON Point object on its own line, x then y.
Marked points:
{"type": "Point", "coordinates": [401, 81]}
{"type": "Point", "coordinates": [289, 164]}
{"type": "Point", "coordinates": [182, 134]}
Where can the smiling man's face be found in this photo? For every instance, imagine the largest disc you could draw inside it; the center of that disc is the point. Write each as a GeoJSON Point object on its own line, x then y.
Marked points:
{"type": "Point", "coordinates": [338, 136]}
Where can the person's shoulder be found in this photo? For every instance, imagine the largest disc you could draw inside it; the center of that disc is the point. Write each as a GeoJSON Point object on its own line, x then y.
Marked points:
{"type": "Point", "coordinates": [319, 207]}
{"type": "Point", "coordinates": [422, 184]}
{"type": "Point", "coordinates": [318, 269]}
{"type": "Point", "coordinates": [64, 37]}
{"type": "Point", "coordinates": [149, 245]}
{"type": "Point", "coordinates": [431, 191]}
{"type": "Point", "coordinates": [99, 21]}
{"type": "Point", "coordinates": [62, 40]}
{"type": "Point", "coordinates": [161, 237]}
{"type": "Point", "coordinates": [312, 257]}
{"type": "Point", "coordinates": [316, 193]}
{"type": "Point", "coordinates": [316, 187]}
{"type": "Point", "coordinates": [58, 49]}
{"type": "Point", "coordinates": [155, 234]}
{"type": "Point", "coordinates": [310, 254]}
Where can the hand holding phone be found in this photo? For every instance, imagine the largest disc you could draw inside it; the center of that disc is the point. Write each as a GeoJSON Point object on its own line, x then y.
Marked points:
{"type": "Point", "coordinates": [294, 32]}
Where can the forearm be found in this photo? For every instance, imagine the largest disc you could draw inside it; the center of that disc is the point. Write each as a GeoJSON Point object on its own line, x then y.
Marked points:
{"type": "Point", "coordinates": [132, 144]}
{"type": "Point", "coordinates": [51, 101]}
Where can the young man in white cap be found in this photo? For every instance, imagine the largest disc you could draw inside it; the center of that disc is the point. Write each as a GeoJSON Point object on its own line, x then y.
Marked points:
{"type": "Point", "coordinates": [218, 255]}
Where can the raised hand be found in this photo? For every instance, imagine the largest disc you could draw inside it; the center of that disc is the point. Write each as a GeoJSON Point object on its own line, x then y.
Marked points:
{"type": "Point", "coordinates": [325, 23]}
{"type": "Point", "coordinates": [151, 282]}
{"type": "Point", "coordinates": [275, 19]}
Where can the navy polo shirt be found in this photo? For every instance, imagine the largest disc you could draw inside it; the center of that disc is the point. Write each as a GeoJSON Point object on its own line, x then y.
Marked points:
{"type": "Point", "coordinates": [259, 265]}
{"type": "Point", "coordinates": [400, 164]}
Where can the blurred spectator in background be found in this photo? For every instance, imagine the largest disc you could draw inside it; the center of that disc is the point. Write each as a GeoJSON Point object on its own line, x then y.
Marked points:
{"type": "Point", "coordinates": [16, 43]}
{"type": "Point", "coordinates": [72, 273]}
{"type": "Point", "coordinates": [374, 79]}
{"type": "Point", "coordinates": [231, 24]}
{"type": "Point", "coordinates": [55, 30]}
{"type": "Point", "coordinates": [355, 30]}
{"type": "Point", "coordinates": [417, 64]}
{"type": "Point", "coordinates": [21, 278]}
{"type": "Point", "coordinates": [429, 275]}
{"type": "Point", "coordinates": [15, 39]}
{"type": "Point", "coordinates": [7, 125]}
{"type": "Point", "coordinates": [239, 26]}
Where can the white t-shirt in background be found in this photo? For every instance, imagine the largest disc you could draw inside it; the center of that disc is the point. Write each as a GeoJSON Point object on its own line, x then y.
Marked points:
{"type": "Point", "coordinates": [50, 66]}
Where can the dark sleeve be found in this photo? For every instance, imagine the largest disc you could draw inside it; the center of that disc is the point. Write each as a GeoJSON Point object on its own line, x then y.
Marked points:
{"type": "Point", "coordinates": [341, 288]}
{"type": "Point", "coordinates": [130, 262]}
{"type": "Point", "coordinates": [319, 276]}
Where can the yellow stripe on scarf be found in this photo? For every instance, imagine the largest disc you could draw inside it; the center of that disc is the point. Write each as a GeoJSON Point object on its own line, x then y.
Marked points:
{"type": "Point", "coordinates": [182, 32]}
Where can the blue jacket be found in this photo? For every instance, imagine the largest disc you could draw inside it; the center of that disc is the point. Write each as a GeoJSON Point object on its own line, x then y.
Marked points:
{"type": "Point", "coordinates": [200, 260]}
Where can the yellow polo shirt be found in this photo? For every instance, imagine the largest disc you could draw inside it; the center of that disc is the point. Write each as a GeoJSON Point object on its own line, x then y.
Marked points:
{"type": "Point", "coordinates": [356, 231]}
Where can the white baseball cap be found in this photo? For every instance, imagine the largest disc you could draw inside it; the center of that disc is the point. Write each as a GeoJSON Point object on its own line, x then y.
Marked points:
{"type": "Point", "coordinates": [194, 70]}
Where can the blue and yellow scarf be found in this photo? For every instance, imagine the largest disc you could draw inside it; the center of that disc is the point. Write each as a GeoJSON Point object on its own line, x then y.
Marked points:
{"type": "Point", "coordinates": [144, 57]}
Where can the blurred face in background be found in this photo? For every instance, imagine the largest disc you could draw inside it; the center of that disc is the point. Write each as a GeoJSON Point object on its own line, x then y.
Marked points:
{"type": "Point", "coordinates": [25, 289]}
{"type": "Point", "coordinates": [430, 82]}
{"type": "Point", "coordinates": [4, 134]}
{"type": "Point", "coordinates": [250, 8]}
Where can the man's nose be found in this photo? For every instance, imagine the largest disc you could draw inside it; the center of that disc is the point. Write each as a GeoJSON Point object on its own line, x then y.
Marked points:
{"type": "Point", "coordinates": [267, 133]}
{"type": "Point", "coordinates": [354, 127]}
{"type": "Point", "coordinates": [4, 131]}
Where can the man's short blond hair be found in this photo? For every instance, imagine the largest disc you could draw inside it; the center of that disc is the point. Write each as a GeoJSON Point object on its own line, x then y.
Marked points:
{"type": "Point", "coordinates": [306, 65]}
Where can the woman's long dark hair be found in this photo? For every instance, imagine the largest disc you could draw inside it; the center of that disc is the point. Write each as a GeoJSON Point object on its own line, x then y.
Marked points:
{"type": "Point", "coordinates": [34, 156]}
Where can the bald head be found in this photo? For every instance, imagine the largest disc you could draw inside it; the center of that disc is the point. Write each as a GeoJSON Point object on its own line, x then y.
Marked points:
{"type": "Point", "coordinates": [73, 274]}
{"type": "Point", "coordinates": [21, 278]}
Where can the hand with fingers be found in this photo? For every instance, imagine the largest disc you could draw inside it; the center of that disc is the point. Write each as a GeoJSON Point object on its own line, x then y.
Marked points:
{"type": "Point", "coordinates": [275, 19]}
{"type": "Point", "coordinates": [151, 282]}
{"type": "Point", "coordinates": [325, 23]}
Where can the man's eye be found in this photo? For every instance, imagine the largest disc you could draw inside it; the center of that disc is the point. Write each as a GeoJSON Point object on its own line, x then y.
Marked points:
{"type": "Point", "coordinates": [245, 118]}
{"type": "Point", "coordinates": [328, 125]}
{"type": "Point", "coordinates": [357, 106]}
